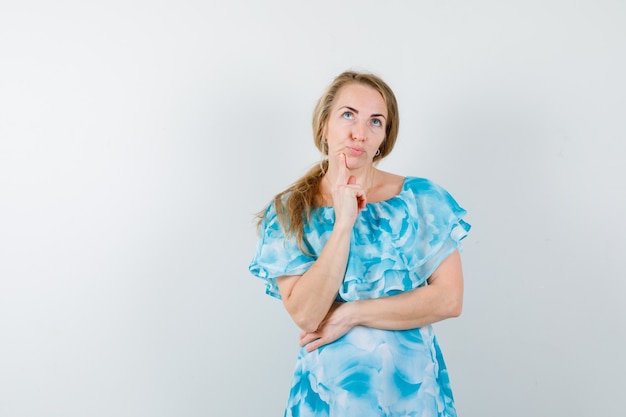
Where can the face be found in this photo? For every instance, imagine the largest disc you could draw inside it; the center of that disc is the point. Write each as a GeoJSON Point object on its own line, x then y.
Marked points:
{"type": "Point", "coordinates": [356, 125]}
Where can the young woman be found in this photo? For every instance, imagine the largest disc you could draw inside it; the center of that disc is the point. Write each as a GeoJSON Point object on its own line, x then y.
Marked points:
{"type": "Point", "coordinates": [364, 262]}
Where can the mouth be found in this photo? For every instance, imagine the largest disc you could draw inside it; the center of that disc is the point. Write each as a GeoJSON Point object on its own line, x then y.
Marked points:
{"type": "Point", "coordinates": [356, 151]}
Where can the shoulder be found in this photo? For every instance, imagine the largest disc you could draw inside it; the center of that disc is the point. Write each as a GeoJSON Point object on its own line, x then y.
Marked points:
{"type": "Point", "coordinates": [422, 185]}
{"type": "Point", "coordinates": [392, 185]}
{"type": "Point", "coordinates": [430, 192]}
{"type": "Point", "coordinates": [269, 217]}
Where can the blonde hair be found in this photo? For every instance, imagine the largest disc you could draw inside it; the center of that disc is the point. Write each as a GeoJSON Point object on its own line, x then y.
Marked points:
{"type": "Point", "coordinates": [295, 204]}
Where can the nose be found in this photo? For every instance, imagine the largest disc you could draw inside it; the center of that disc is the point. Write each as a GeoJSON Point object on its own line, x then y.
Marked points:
{"type": "Point", "coordinates": [358, 131]}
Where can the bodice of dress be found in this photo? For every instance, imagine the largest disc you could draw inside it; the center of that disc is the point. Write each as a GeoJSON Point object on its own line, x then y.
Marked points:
{"type": "Point", "coordinates": [396, 244]}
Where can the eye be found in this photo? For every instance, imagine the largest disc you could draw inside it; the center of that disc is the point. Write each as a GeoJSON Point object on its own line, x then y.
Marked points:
{"type": "Point", "coordinates": [377, 122]}
{"type": "Point", "coordinates": [347, 115]}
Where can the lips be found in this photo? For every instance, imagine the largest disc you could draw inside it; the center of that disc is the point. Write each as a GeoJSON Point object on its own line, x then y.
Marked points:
{"type": "Point", "coordinates": [356, 151]}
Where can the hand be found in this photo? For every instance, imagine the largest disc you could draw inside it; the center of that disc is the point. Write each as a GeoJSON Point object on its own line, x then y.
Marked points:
{"type": "Point", "coordinates": [348, 196]}
{"type": "Point", "coordinates": [335, 325]}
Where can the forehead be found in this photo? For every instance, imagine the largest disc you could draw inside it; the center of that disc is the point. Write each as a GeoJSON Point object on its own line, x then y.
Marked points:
{"type": "Point", "coordinates": [360, 97]}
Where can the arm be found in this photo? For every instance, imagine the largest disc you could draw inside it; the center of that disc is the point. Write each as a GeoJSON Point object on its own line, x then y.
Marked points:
{"type": "Point", "coordinates": [442, 298]}
{"type": "Point", "coordinates": [309, 297]}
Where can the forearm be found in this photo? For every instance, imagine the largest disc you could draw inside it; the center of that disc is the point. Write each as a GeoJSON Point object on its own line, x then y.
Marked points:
{"type": "Point", "coordinates": [442, 298]}
{"type": "Point", "coordinates": [309, 297]}
{"type": "Point", "coordinates": [408, 310]}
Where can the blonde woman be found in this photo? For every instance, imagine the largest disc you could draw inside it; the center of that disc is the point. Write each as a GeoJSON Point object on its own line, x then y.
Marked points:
{"type": "Point", "coordinates": [364, 261]}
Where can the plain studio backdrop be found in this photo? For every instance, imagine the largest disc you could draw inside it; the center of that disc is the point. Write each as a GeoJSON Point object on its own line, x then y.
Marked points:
{"type": "Point", "coordinates": [139, 138]}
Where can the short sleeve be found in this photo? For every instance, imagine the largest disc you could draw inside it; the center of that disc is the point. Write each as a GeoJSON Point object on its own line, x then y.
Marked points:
{"type": "Point", "coordinates": [440, 225]}
{"type": "Point", "coordinates": [276, 255]}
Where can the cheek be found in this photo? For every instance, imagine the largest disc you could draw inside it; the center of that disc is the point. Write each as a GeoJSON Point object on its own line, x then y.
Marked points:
{"type": "Point", "coordinates": [379, 137]}
{"type": "Point", "coordinates": [333, 131]}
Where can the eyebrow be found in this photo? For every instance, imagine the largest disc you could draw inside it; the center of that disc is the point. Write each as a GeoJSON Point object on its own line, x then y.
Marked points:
{"type": "Point", "coordinates": [357, 112]}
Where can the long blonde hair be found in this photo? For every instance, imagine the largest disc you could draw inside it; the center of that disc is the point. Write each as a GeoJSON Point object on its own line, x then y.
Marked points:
{"type": "Point", "coordinates": [295, 204]}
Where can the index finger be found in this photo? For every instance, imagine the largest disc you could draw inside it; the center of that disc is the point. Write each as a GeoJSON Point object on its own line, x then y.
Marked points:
{"type": "Point", "coordinates": [344, 175]}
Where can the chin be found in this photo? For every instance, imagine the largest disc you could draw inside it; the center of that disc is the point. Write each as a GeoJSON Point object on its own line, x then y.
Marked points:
{"type": "Point", "coordinates": [356, 163]}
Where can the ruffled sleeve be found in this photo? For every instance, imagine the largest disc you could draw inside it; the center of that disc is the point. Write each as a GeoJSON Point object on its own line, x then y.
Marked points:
{"type": "Point", "coordinates": [275, 255]}
{"type": "Point", "coordinates": [440, 225]}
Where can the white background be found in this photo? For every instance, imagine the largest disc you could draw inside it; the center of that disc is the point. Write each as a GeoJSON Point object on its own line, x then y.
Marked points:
{"type": "Point", "coordinates": [138, 139]}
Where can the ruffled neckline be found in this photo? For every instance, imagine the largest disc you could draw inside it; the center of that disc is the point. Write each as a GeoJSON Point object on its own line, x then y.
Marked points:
{"type": "Point", "coordinates": [381, 202]}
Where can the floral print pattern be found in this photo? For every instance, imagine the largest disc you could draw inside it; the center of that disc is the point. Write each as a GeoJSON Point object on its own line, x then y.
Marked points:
{"type": "Point", "coordinates": [396, 245]}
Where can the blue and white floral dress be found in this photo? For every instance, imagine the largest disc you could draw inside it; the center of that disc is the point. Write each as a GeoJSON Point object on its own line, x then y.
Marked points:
{"type": "Point", "coordinates": [396, 245]}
